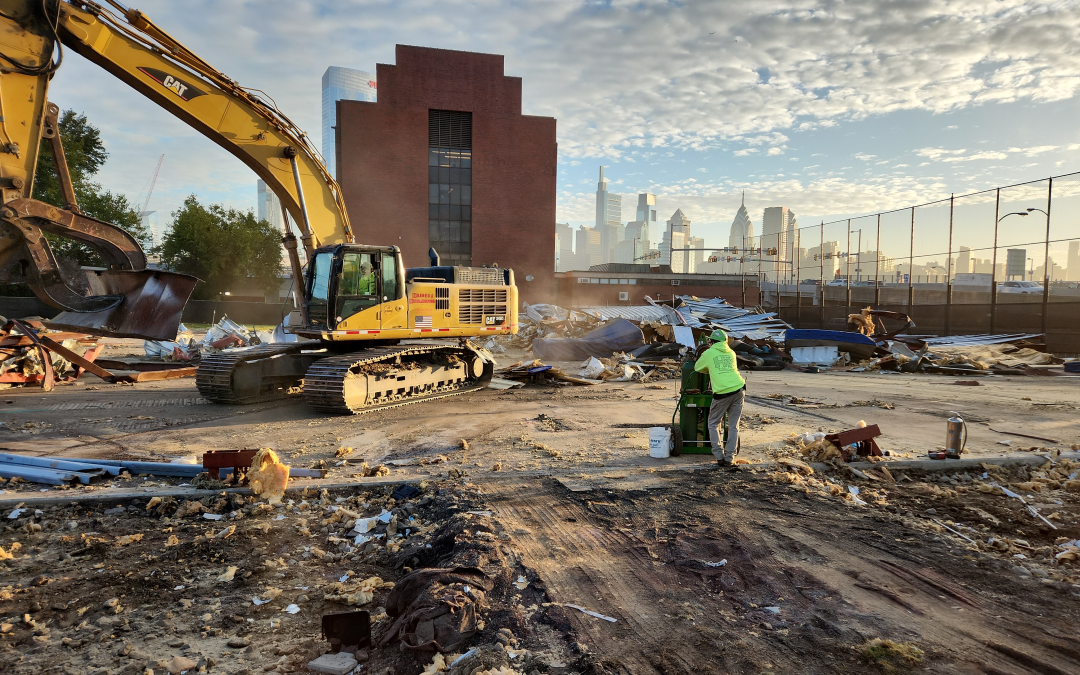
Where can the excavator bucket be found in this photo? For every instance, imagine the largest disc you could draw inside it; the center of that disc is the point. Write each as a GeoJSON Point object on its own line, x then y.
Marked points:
{"type": "Point", "coordinates": [151, 305]}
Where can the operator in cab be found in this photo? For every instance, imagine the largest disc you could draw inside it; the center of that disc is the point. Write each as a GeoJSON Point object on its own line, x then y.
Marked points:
{"type": "Point", "coordinates": [367, 279]}
{"type": "Point", "coordinates": [729, 390]}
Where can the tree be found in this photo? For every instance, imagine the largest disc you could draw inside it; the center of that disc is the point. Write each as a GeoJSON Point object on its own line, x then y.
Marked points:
{"type": "Point", "coordinates": [223, 247]}
{"type": "Point", "coordinates": [86, 154]}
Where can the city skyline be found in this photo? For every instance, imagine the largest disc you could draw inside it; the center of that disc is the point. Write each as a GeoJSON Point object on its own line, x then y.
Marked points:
{"type": "Point", "coordinates": [780, 230]}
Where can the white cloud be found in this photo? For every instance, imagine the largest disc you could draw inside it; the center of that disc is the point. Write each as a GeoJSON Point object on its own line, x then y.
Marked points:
{"type": "Point", "coordinates": [944, 155]}
{"type": "Point", "coordinates": [582, 62]}
{"type": "Point", "coordinates": [864, 157]}
{"type": "Point", "coordinates": [775, 151]}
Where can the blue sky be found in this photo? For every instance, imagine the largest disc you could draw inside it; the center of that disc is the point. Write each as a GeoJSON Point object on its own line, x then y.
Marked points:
{"type": "Point", "coordinates": [829, 108]}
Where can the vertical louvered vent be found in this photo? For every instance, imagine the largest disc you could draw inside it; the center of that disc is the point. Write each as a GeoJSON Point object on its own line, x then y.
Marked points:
{"type": "Point", "coordinates": [442, 298]}
{"type": "Point", "coordinates": [449, 129]}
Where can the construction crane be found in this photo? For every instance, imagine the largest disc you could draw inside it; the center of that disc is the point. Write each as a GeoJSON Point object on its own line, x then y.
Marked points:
{"type": "Point", "coordinates": [143, 213]}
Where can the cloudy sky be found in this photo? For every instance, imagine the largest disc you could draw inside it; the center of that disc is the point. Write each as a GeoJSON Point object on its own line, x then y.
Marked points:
{"type": "Point", "coordinates": [829, 108]}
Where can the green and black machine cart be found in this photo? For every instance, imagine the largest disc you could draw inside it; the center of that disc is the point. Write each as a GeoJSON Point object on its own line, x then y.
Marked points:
{"type": "Point", "coordinates": [690, 423]}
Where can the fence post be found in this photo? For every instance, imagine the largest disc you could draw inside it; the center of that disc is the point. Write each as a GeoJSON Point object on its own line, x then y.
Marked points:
{"type": "Point", "coordinates": [821, 275]}
{"type": "Point", "coordinates": [949, 271]}
{"type": "Point", "coordinates": [1046, 260]}
{"type": "Point", "coordinates": [779, 291]}
{"type": "Point", "coordinates": [798, 285]}
{"type": "Point", "coordinates": [847, 267]}
{"type": "Point", "coordinates": [742, 271]}
{"type": "Point", "coordinates": [911, 264]}
{"type": "Point", "coordinates": [993, 264]}
{"type": "Point", "coordinates": [877, 265]}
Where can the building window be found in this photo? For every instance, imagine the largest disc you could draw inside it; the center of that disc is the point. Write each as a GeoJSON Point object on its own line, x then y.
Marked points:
{"type": "Point", "coordinates": [450, 185]}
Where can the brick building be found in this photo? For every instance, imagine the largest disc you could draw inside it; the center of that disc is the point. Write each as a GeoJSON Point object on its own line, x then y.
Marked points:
{"type": "Point", "coordinates": [445, 159]}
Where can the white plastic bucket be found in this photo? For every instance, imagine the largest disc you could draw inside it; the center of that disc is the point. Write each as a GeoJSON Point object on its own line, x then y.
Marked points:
{"type": "Point", "coordinates": [659, 442]}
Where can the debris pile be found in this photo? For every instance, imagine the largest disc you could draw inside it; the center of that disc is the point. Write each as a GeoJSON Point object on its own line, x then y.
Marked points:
{"type": "Point", "coordinates": [28, 354]}
{"type": "Point", "coordinates": [737, 322]}
{"type": "Point", "coordinates": [224, 335]}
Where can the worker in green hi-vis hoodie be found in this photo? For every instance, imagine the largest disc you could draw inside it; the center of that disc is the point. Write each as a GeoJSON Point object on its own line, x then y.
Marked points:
{"type": "Point", "coordinates": [729, 390]}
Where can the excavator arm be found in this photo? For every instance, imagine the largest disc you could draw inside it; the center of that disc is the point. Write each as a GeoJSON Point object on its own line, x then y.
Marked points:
{"type": "Point", "coordinates": [127, 299]}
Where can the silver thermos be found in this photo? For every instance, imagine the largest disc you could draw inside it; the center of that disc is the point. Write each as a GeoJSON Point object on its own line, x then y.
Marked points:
{"type": "Point", "coordinates": [955, 436]}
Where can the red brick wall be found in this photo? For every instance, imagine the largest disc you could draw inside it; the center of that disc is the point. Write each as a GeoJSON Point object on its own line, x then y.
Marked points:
{"type": "Point", "coordinates": [382, 163]}
{"type": "Point", "coordinates": [573, 294]}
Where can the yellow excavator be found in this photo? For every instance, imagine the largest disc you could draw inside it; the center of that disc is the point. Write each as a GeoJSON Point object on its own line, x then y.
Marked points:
{"type": "Point", "coordinates": [373, 333]}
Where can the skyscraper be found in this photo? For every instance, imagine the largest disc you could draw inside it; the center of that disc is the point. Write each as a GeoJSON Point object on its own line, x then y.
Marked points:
{"type": "Point", "coordinates": [564, 247]}
{"type": "Point", "coordinates": [588, 251]}
{"type": "Point", "coordinates": [1073, 262]}
{"type": "Point", "coordinates": [677, 236]}
{"type": "Point", "coordinates": [963, 261]}
{"type": "Point", "coordinates": [269, 207]}
{"type": "Point", "coordinates": [742, 228]}
{"type": "Point", "coordinates": [149, 221]}
{"type": "Point", "coordinates": [608, 218]}
{"type": "Point", "coordinates": [646, 213]}
{"type": "Point", "coordinates": [778, 226]}
{"type": "Point", "coordinates": [341, 84]}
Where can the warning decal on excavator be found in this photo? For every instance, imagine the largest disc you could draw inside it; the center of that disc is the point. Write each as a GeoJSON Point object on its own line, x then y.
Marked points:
{"type": "Point", "coordinates": [173, 84]}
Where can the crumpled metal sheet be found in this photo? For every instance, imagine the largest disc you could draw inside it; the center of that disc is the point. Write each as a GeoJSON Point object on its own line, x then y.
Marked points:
{"type": "Point", "coordinates": [736, 321]}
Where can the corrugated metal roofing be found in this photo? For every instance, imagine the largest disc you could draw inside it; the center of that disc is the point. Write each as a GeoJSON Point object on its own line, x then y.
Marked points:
{"type": "Point", "coordinates": [965, 340]}
{"type": "Point", "coordinates": [639, 313]}
{"type": "Point", "coordinates": [738, 322]}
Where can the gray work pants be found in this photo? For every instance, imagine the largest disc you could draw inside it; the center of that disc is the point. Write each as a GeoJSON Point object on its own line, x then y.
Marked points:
{"type": "Point", "coordinates": [732, 406]}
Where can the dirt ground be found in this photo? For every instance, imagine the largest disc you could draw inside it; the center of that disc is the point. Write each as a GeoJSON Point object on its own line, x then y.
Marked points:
{"type": "Point", "coordinates": [957, 576]}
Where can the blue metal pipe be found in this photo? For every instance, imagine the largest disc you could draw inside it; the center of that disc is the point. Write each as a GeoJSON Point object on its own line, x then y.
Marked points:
{"type": "Point", "coordinates": [37, 474]}
{"type": "Point", "coordinates": [61, 464]}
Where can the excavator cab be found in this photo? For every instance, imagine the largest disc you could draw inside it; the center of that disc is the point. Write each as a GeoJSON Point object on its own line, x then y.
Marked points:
{"type": "Point", "coordinates": [348, 279]}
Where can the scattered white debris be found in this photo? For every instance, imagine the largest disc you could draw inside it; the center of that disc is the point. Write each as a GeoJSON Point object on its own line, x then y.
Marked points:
{"type": "Point", "coordinates": [212, 516]}
{"type": "Point", "coordinates": [16, 513]}
{"type": "Point", "coordinates": [293, 609]}
{"type": "Point", "coordinates": [522, 583]}
{"type": "Point", "coordinates": [590, 613]}
{"type": "Point", "coordinates": [716, 564]}
{"type": "Point", "coordinates": [471, 652]}
{"type": "Point", "coordinates": [774, 610]}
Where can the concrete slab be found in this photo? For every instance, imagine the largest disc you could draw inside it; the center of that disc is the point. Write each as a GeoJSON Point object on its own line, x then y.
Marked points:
{"type": "Point", "coordinates": [334, 664]}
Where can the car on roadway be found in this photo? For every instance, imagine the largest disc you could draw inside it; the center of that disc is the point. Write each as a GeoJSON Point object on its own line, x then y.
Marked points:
{"type": "Point", "coordinates": [1022, 287]}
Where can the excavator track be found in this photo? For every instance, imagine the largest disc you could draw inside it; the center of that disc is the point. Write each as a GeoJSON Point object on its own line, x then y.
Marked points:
{"type": "Point", "coordinates": [386, 377]}
{"type": "Point", "coordinates": [263, 373]}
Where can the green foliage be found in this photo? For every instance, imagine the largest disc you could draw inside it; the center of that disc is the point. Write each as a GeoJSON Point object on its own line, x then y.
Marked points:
{"type": "Point", "coordinates": [223, 247]}
{"type": "Point", "coordinates": [86, 154]}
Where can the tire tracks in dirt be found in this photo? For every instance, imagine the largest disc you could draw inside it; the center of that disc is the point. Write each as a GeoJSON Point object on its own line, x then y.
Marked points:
{"type": "Point", "coordinates": [836, 574]}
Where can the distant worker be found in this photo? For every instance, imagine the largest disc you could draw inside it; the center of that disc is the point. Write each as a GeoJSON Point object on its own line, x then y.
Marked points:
{"type": "Point", "coordinates": [367, 280]}
{"type": "Point", "coordinates": [729, 390]}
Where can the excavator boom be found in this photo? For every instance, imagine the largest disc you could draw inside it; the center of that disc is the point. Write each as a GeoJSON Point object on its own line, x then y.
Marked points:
{"type": "Point", "coordinates": [126, 299]}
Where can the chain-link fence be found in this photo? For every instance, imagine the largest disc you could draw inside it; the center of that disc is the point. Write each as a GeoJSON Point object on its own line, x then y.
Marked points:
{"type": "Point", "coordinates": [1005, 260]}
